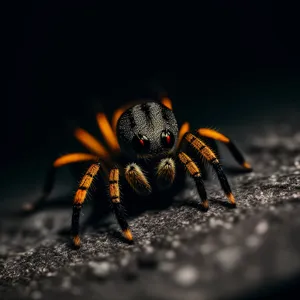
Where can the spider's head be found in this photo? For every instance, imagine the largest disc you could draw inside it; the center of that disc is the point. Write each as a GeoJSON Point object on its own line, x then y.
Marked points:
{"type": "Point", "coordinates": [147, 130]}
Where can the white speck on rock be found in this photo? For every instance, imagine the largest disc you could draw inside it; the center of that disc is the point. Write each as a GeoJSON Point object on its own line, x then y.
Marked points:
{"type": "Point", "coordinates": [296, 195]}
{"type": "Point", "coordinates": [166, 267]}
{"type": "Point", "coordinates": [229, 257]}
{"type": "Point", "coordinates": [170, 255]}
{"type": "Point", "coordinates": [262, 227]}
{"type": "Point", "coordinates": [253, 241]}
{"type": "Point", "coordinates": [207, 248]}
{"type": "Point", "coordinates": [66, 284]}
{"type": "Point", "coordinates": [125, 261]}
{"type": "Point", "coordinates": [36, 295]}
{"type": "Point", "coordinates": [186, 276]}
{"type": "Point", "coordinates": [197, 228]}
{"type": "Point", "coordinates": [100, 269]}
{"type": "Point", "coordinates": [176, 244]}
{"type": "Point", "coordinates": [149, 249]}
{"type": "Point", "coordinates": [215, 222]}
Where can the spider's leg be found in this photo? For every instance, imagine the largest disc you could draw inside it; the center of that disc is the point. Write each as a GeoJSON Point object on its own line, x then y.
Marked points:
{"type": "Point", "coordinates": [202, 163]}
{"type": "Point", "coordinates": [185, 127]}
{"type": "Point", "coordinates": [236, 153]}
{"type": "Point", "coordinates": [137, 179]}
{"type": "Point", "coordinates": [208, 154]}
{"type": "Point", "coordinates": [49, 182]}
{"type": "Point", "coordinates": [114, 194]}
{"type": "Point", "coordinates": [91, 143]}
{"type": "Point", "coordinates": [167, 102]}
{"type": "Point", "coordinates": [108, 132]}
{"type": "Point", "coordinates": [165, 173]}
{"type": "Point", "coordinates": [194, 171]}
{"type": "Point", "coordinates": [79, 199]}
{"type": "Point", "coordinates": [116, 116]}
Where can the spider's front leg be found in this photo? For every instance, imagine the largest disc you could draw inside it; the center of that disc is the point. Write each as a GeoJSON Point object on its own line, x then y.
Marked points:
{"type": "Point", "coordinates": [79, 199]}
{"type": "Point", "coordinates": [114, 194]}
{"type": "Point", "coordinates": [195, 173]}
{"type": "Point", "coordinates": [208, 154]}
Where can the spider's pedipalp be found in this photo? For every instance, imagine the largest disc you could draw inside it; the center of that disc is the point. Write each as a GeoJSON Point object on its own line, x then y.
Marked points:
{"type": "Point", "coordinates": [114, 194]}
{"type": "Point", "coordinates": [195, 173]}
{"type": "Point", "coordinates": [209, 155]}
{"type": "Point", "coordinates": [213, 134]}
{"type": "Point", "coordinates": [165, 173]}
{"type": "Point", "coordinates": [79, 199]}
{"type": "Point", "coordinates": [137, 179]}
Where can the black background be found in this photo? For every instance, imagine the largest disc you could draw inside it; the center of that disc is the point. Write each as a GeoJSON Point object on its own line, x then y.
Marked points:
{"type": "Point", "coordinates": [220, 62]}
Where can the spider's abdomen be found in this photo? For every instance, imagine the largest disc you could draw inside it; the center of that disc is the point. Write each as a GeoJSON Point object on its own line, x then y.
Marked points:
{"type": "Point", "coordinates": [146, 130]}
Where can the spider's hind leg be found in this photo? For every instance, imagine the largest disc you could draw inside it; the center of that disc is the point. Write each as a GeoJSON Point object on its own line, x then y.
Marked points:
{"type": "Point", "coordinates": [203, 164]}
{"type": "Point", "coordinates": [217, 136]}
{"type": "Point", "coordinates": [50, 177]}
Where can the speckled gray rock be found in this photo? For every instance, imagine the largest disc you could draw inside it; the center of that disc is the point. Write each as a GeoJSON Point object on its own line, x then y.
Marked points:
{"type": "Point", "coordinates": [180, 252]}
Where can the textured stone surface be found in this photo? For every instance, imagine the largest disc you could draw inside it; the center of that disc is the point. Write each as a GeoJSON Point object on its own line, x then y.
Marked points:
{"type": "Point", "coordinates": [180, 252]}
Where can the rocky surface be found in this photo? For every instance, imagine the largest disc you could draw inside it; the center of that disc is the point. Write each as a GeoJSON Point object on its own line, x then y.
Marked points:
{"type": "Point", "coordinates": [180, 252]}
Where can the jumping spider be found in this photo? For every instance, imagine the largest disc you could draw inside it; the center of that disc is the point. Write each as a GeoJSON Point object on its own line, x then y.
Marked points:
{"type": "Point", "coordinates": [142, 137]}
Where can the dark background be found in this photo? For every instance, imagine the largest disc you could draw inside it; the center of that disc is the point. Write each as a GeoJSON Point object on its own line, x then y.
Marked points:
{"type": "Point", "coordinates": [221, 63]}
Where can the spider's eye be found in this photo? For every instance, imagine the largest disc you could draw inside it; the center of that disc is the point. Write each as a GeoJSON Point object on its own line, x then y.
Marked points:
{"type": "Point", "coordinates": [167, 139]}
{"type": "Point", "coordinates": [141, 143]}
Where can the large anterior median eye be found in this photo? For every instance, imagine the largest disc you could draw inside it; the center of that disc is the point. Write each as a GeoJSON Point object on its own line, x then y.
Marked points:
{"type": "Point", "coordinates": [141, 143]}
{"type": "Point", "coordinates": [167, 139]}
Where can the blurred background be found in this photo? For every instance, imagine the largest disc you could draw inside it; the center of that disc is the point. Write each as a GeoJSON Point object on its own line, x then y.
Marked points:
{"type": "Point", "coordinates": [222, 64]}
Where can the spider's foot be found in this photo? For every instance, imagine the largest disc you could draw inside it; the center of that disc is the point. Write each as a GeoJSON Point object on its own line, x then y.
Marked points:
{"type": "Point", "coordinates": [76, 242]}
{"type": "Point", "coordinates": [128, 235]}
{"type": "Point", "coordinates": [204, 205]}
{"type": "Point", "coordinates": [231, 199]}
{"type": "Point", "coordinates": [247, 166]}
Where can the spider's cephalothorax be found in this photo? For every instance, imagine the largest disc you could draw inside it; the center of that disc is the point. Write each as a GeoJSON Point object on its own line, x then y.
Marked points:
{"type": "Point", "coordinates": [143, 139]}
{"type": "Point", "coordinates": [147, 130]}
